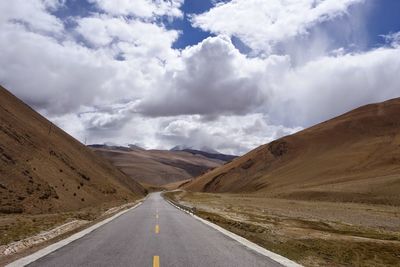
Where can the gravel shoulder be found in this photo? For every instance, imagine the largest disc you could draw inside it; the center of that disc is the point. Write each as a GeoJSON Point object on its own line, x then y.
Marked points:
{"type": "Point", "coordinates": [22, 235]}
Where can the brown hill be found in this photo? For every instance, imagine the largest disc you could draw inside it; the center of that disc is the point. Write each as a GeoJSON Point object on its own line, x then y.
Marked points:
{"type": "Point", "coordinates": [43, 169]}
{"type": "Point", "coordinates": [157, 167]}
{"type": "Point", "coordinates": [352, 158]}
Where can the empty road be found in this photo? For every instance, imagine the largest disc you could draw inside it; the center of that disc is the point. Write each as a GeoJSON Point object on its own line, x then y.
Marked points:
{"type": "Point", "coordinates": [155, 234]}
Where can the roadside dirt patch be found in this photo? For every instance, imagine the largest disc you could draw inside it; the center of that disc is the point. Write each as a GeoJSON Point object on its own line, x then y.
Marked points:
{"type": "Point", "coordinates": [311, 233]}
{"type": "Point", "coordinates": [22, 232]}
{"type": "Point", "coordinates": [15, 247]}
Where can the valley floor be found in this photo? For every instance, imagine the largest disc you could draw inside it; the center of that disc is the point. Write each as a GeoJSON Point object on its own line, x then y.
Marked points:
{"type": "Point", "coordinates": [313, 233]}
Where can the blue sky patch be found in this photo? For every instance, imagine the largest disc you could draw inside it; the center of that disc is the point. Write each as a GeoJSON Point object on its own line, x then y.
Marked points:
{"type": "Point", "coordinates": [382, 17]}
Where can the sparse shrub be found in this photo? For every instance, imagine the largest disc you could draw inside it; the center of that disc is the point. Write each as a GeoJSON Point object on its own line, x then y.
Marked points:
{"type": "Point", "coordinates": [247, 164]}
{"type": "Point", "coordinates": [10, 210]}
{"type": "Point", "coordinates": [87, 178]}
{"type": "Point", "coordinates": [278, 148]}
{"type": "Point", "coordinates": [45, 195]}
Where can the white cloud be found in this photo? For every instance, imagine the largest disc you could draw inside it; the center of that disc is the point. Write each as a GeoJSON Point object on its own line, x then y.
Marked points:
{"type": "Point", "coordinates": [59, 77]}
{"type": "Point", "coordinates": [128, 36]}
{"type": "Point", "coordinates": [141, 8]}
{"type": "Point", "coordinates": [34, 14]}
{"type": "Point", "coordinates": [113, 116]}
{"type": "Point", "coordinates": [392, 39]}
{"type": "Point", "coordinates": [243, 132]}
{"type": "Point", "coordinates": [116, 78]}
{"type": "Point", "coordinates": [64, 75]}
{"type": "Point", "coordinates": [214, 78]}
{"type": "Point", "coordinates": [54, 4]}
{"type": "Point", "coordinates": [261, 24]}
{"type": "Point", "coordinates": [332, 85]}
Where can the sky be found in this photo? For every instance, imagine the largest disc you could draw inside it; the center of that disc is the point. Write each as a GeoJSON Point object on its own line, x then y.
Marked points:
{"type": "Point", "coordinates": [226, 75]}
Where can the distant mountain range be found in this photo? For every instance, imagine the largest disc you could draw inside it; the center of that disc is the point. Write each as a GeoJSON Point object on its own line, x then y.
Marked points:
{"type": "Point", "coordinates": [203, 149]}
{"type": "Point", "coordinates": [160, 167]}
{"type": "Point", "coordinates": [217, 155]}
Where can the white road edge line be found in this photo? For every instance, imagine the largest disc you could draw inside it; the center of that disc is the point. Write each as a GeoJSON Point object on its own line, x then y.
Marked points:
{"type": "Point", "coordinates": [269, 254]}
{"type": "Point", "coordinates": [53, 247]}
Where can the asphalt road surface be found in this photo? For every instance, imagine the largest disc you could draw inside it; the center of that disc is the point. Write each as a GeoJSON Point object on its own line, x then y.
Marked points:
{"type": "Point", "coordinates": [155, 234]}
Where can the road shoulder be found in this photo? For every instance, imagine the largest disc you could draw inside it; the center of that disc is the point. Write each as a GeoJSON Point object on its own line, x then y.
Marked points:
{"type": "Point", "coordinates": [55, 246]}
{"type": "Point", "coordinates": [269, 254]}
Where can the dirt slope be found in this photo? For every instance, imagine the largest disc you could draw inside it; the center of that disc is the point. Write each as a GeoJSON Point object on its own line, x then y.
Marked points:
{"type": "Point", "coordinates": [43, 169]}
{"type": "Point", "coordinates": [352, 158]}
{"type": "Point", "coordinates": [157, 167]}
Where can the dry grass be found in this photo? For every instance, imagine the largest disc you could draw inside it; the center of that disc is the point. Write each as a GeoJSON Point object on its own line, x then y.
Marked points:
{"type": "Point", "coordinates": [15, 227]}
{"type": "Point", "coordinates": [309, 232]}
{"type": "Point", "coordinates": [351, 158]}
{"type": "Point", "coordinates": [25, 228]}
{"type": "Point", "coordinates": [43, 170]}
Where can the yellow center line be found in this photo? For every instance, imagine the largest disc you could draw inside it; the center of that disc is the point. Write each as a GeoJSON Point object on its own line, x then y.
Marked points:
{"type": "Point", "coordinates": [157, 230]}
{"type": "Point", "coordinates": [156, 261]}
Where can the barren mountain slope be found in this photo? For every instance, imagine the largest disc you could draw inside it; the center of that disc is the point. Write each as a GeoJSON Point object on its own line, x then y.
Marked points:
{"type": "Point", "coordinates": [157, 167]}
{"type": "Point", "coordinates": [353, 158]}
{"type": "Point", "coordinates": [43, 169]}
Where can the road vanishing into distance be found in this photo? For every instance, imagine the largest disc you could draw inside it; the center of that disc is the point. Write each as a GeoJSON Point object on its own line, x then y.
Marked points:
{"type": "Point", "coordinates": [155, 234]}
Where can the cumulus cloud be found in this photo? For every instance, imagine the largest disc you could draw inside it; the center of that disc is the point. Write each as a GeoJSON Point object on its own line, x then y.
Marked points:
{"type": "Point", "coordinates": [114, 76]}
{"type": "Point", "coordinates": [392, 39]}
{"type": "Point", "coordinates": [261, 24]}
{"type": "Point", "coordinates": [214, 78]}
{"type": "Point", "coordinates": [127, 36]}
{"type": "Point", "coordinates": [332, 85]}
{"type": "Point", "coordinates": [65, 75]}
{"type": "Point", "coordinates": [141, 8]}
{"type": "Point", "coordinates": [33, 14]}
{"type": "Point", "coordinates": [241, 131]}
{"type": "Point", "coordinates": [56, 76]}
{"type": "Point", "coordinates": [113, 116]}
